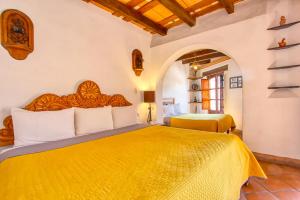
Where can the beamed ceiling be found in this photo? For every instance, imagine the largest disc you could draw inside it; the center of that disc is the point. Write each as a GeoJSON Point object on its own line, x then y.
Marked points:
{"type": "Point", "coordinates": [203, 58]}
{"type": "Point", "coordinates": [157, 16]}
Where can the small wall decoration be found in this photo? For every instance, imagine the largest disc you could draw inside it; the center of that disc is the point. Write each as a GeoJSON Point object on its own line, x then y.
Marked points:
{"type": "Point", "coordinates": [17, 33]}
{"type": "Point", "coordinates": [236, 82]}
{"type": "Point", "coordinates": [137, 62]}
{"type": "Point", "coordinates": [282, 20]}
{"type": "Point", "coordinates": [195, 86]}
{"type": "Point", "coordinates": [282, 43]}
{"type": "Point", "coordinates": [195, 100]}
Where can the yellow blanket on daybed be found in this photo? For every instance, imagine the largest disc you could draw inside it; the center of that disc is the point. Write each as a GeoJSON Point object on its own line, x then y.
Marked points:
{"type": "Point", "coordinates": [204, 122]}
{"type": "Point", "coordinates": [155, 163]}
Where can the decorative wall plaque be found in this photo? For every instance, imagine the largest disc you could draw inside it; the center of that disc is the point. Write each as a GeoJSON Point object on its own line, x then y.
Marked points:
{"type": "Point", "coordinates": [137, 62]}
{"type": "Point", "coordinates": [17, 33]}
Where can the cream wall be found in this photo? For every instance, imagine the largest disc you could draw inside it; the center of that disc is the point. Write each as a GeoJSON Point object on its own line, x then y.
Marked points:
{"type": "Point", "coordinates": [233, 97]}
{"type": "Point", "coordinates": [74, 41]}
{"type": "Point", "coordinates": [175, 85]}
{"type": "Point", "coordinates": [270, 124]}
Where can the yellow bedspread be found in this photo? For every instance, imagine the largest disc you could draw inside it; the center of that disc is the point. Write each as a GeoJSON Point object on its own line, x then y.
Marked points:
{"type": "Point", "coordinates": [155, 163]}
{"type": "Point", "coordinates": [204, 122]}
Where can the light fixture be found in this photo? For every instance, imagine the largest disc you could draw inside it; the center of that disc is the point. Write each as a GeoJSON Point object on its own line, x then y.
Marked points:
{"type": "Point", "coordinates": [194, 66]}
{"type": "Point", "coordinates": [149, 97]}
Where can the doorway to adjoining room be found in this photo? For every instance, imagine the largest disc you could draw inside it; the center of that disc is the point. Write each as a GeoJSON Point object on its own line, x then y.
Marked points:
{"type": "Point", "coordinates": [204, 81]}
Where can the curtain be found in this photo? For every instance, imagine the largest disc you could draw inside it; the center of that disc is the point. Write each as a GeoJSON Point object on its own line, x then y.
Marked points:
{"type": "Point", "coordinates": [205, 94]}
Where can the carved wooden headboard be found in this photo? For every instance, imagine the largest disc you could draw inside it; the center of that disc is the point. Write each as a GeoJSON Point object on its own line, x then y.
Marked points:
{"type": "Point", "coordinates": [88, 95]}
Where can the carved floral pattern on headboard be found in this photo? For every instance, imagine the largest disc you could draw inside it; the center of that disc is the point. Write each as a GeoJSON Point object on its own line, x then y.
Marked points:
{"type": "Point", "coordinates": [88, 95]}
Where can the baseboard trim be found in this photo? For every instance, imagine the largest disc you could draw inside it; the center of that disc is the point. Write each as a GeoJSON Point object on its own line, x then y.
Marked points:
{"type": "Point", "coordinates": [277, 160]}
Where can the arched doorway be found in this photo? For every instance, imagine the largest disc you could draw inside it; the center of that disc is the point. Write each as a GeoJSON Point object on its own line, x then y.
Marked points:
{"type": "Point", "coordinates": [182, 80]}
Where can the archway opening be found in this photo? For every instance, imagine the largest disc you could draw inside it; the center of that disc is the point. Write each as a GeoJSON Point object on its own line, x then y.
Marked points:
{"type": "Point", "coordinates": [204, 81]}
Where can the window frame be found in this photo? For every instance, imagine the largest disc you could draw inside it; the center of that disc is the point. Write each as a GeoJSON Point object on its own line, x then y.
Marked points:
{"type": "Point", "coordinates": [219, 86]}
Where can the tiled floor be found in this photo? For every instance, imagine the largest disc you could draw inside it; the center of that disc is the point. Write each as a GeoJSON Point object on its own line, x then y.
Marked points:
{"type": "Point", "coordinates": [283, 183]}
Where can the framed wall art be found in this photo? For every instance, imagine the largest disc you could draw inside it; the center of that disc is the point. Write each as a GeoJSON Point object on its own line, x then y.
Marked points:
{"type": "Point", "coordinates": [236, 82]}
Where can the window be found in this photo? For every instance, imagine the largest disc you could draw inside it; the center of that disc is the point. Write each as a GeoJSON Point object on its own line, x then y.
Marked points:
{"type": "Point", "coordinates": [216, 85]}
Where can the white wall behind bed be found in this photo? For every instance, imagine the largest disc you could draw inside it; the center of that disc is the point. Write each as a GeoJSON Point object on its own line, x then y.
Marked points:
{"type": "Point", "coordinates": [176, 85]}
{"type": "Point", "coordinates": [74, 41]}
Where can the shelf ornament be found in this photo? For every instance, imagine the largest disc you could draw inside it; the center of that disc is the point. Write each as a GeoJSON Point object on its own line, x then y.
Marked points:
{"type": "Point", "coordinates": [17, 33]}
{"type": "Point", "coordinates": [282, 43]}
{"type": "Point", "coordinates": [195, 86]}
{"type": "Point", "coordinates": [282, 20]}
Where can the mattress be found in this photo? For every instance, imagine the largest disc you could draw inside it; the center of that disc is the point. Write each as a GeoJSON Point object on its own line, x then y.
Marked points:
{"type": "Point", "coordinates": [204, 122]}
{"type": "Point", "coordinates": [151, 163]}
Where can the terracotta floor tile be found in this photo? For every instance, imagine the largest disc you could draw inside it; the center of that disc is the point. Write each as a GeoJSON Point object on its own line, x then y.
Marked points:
{"type": "Point", "coordinates": [283, 183]}
{"type": "Point", "coordinates": [290, 170]}
{"type": "Point", "coordinates": [261, 180]}
{"type": "Point", "coordinates": [260, 196]}
{"type": "Point", "coordinates": [275, 183]}
{"type": "Point", "coordinates": [272, 169]}
{"type": "Point", "coordinates": [288, 195]}
{"type": "Point", "coordinates": [292, 180]}
{"type": "Point", "coordinates": [253, 186]}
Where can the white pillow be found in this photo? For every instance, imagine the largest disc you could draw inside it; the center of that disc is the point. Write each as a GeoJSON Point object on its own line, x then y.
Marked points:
{"type": "Point", "coordinates": [92, 120]}
{"type": "Point", "coordinates": [124, 116]}
{"type": "Point", "coordinates": [177, 109]}
{"type": "Point", "coordinates": [169, 110]}
{"type": "Point", "coordinates": [37, 127]}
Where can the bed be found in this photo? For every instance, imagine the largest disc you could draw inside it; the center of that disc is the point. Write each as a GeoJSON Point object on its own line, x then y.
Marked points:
{"type": "Point", "coordinates": [147, 163]}
{"type": "Point", "coordinates": [134, 162]}
{"type": "Point", "coordinates": [204, 122]}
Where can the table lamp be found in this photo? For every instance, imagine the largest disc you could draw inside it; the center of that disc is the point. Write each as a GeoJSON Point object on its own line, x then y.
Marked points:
{"type": "Point", "coordinates": [149, 97]}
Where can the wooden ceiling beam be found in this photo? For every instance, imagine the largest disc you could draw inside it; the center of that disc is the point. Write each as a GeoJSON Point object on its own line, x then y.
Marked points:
{"type": "Point", "coordinates": [201, 4]}
{"type": "Point", "coordinates": [198, 9]}
{"type": "Point", "coordinates": [204, 11]}
{"type": "Point", "coordinates": [167, 20]}
{"type": "Point", "coordinates": [189, 9]}
{"type": "Point", "coordinates": [217, 61]}
{"type": "Point", "coordinates": [228, 5]}
{"type": "Point", "coordinates": [196, 54]}
{"type": "Point", "coordinates": [204, 57]}
{"type": "Point", "coordinates": [133, 3]}
{"type": "Point", "coordinates": [200, 62]}
{"type": "Point", "coordinates": [148, 6]}
{"type": "Point", "coordinates": [132, 14]}
{"type": "Point", "coordinates": [179, 11]}
{"type": "Point", "coordinates": [215, 71]}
